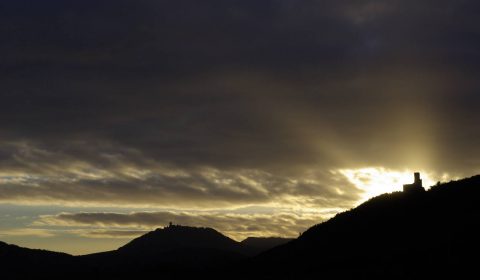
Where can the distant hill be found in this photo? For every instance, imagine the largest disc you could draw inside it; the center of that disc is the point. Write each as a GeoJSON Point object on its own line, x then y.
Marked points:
{"type": "Point", "coordinates": [262, 244]}
{"type": "Point", "coordinates": [177, 250]}
{"type": "Point", "coordinates": [175, 237]}
{"type": "Point", "coordinates": [392, 236]}
{"type": "Point", "coordinates": [168, 251]}
{"type": "Point", "coordinates": [171, 251]}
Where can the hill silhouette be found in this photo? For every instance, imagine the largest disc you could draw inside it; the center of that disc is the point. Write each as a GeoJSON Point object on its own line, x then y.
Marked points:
{"type": "Point", "coordinates": [175, 251]}
{"type": "Point", "coordinates": [398, 235]}
{"type": "Point", "coordinates": [23, 263]}
{"type": "Point", "coordinates": [167, 251]}
{"type": "Point", "coordinates": [257, 245]}
{"type": "Point", "coordinates": [409, 235]}
{"type": "Point", "coordinates": [176, 237]}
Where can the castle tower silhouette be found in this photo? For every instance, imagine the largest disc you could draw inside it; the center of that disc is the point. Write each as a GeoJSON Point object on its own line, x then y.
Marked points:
{"type": "Point", "coordinates": [417, 185]}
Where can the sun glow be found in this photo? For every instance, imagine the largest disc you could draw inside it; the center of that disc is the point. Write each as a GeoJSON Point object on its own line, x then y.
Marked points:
{"type": "Point", "coordinates": [378, 180]}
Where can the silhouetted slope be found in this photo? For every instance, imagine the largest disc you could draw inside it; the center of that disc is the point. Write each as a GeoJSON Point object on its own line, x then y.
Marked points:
{"type": "Point", "coordinates": [261, 244]}
{"type": "Point", "coordinates": [173, 251]}
{"type": "Point", "coordinates": [177, 237]}
{"type": "Point", "coordinates": [396, 235]}
{"type": "Point", "coordinates": [23, 263]}
{"type": "Point", "coordinates": [177, 252]}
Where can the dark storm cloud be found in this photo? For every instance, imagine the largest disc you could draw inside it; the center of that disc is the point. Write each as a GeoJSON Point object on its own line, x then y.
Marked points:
{"type": "Point", "coordinates": [278, 87]}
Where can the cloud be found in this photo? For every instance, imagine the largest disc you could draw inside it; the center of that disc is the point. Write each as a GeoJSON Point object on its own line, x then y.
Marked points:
{"type": "Point", "coordinates": [27, 232]}
{"type": "Point", "coordinates": [130, 179]}
{"type": "Point", "coordinates": [277, 84]}
{"type": "Point", "coordinates": [199, 105]}
{"type": "Point", "coordinates": [120, 234]}
{"type": "Point", "coordinates": [235, 225]}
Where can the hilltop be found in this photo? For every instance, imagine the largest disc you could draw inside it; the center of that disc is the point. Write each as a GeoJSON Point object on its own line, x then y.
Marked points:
{"type": "Point", "coordinates": [175, 250]}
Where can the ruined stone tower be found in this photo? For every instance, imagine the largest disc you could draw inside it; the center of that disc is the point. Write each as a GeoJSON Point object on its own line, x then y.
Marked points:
{"type": "Point", "coordinates": [417, 185]}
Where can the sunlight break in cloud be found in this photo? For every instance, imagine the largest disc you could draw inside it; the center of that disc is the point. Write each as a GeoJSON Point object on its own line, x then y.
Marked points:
{"type": "Point", "coordinates": [378, 180]}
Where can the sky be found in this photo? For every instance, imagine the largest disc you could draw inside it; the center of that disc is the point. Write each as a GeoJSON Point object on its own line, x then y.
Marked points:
{"type": "Point", "coordinates": [256, 118]}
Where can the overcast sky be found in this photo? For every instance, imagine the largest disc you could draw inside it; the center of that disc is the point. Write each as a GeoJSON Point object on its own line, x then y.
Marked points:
{"type": "Point", "coordinates": [253, 117]}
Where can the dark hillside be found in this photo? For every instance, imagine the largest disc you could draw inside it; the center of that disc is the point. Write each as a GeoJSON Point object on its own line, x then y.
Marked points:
{"type": "Point", "coordinates": [17, 262]}
{"type": "Point", "coordinates": [401, 235]}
